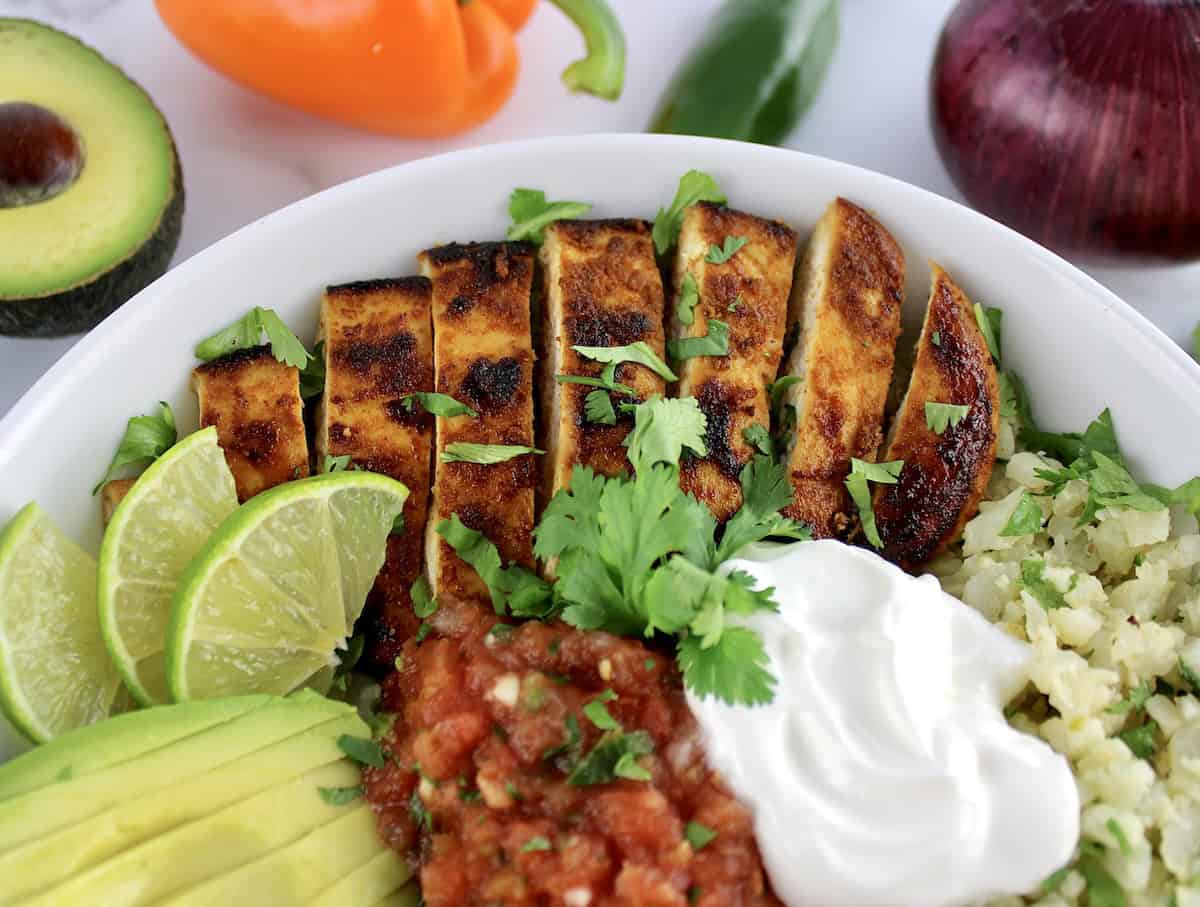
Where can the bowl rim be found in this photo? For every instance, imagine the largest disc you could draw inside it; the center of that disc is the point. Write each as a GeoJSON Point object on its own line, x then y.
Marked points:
{"type": "Point", "coordinates": [44, 391]}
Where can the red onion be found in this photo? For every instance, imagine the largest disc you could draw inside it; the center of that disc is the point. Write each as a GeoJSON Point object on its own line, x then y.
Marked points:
{"type": "Point", "coordinates": [1076, 121]}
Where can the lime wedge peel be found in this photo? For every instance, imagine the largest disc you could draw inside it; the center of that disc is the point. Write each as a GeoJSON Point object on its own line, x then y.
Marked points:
{"type": "Point", "coordinates": [55, 673]}
{"type": "Point", "coordinates": [160, 525]}
{"type": "Point", "coordinates": [277, 587]}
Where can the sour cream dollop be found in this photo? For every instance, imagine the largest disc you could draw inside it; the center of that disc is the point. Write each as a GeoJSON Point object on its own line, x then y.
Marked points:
{"type": "Point", "coordinates": [884, 772]}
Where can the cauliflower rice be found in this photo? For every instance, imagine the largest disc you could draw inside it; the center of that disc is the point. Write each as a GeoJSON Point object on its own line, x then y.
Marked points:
{"type": "Point", "coordinates": [1110, 675]}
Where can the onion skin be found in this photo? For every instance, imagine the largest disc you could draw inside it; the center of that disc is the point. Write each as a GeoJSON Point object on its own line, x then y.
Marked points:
{"type": "Point", "coordinates": [1076, 122]}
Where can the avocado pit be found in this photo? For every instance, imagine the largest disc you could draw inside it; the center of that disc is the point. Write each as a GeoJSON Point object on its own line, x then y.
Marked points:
{"type": "Point", "coordinates": [40, 154]}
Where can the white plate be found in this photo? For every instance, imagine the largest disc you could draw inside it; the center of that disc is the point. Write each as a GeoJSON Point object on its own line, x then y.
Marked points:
{"type": "Point", "coordinates": [1078, 347]}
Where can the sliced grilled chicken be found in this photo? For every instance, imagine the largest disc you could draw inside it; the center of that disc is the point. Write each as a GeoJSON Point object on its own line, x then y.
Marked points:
{"type": "Point", "coordinates": [944, 475]}
{"type": "Point", "coordinates": [378, 339]}
{"type": "Point", "coordinates": [254, 401]}
{"type": "Point", "coordinates": [483, 357]}
{"type": "Point", "coordinates": [111, 496]}
{"type": "Point", "coordinates": [845, 312]}
{"type": "Point", "coordinates": [602, 288]}
{"type": "Point", "coordinates": [749, 293]}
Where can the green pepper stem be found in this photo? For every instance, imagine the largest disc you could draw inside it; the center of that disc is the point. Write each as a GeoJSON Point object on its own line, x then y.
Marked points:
{"type": "Point", "coordinates": [602, 71]}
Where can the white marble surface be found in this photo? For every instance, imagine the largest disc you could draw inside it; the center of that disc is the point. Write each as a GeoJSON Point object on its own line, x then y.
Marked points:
{"type": "Point", "coordinates": [244, 156]}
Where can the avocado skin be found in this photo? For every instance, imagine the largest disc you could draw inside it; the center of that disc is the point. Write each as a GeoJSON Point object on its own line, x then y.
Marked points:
{"type": "Point", "coordinates": [84, 306]}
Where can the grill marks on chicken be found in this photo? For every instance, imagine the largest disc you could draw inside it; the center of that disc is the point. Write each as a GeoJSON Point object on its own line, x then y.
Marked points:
{"type": "Point", "coordinates": [845, 312]}
{"type": "Point", "coordinates": [602, 288]}
{"type": "Point", "coordinates": [749, 293]}
{"type": "Point", "coordinates": [254, 402]}
{"type": "Point", "coordinates": [483, 357]}
{"type": "Point", "coordinates": [944, 476]}
{"type": "Point", "coordinates": [378, 347]}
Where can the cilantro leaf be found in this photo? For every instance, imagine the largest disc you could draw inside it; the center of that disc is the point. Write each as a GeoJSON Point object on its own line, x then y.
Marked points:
{"type": "Point", "coordinates": [312, 375]}
{"type": "Point", "coordinates": [1135, 701]}
{"type": "Point", "coordinates": [361, 750]}
{"type": "Point", "coordinates": [571, 516]}
{"type": "Point", "coordinates": [1033, 580]}
{"type": "Point", "coordinates": [779, 387]}
{"type": "Point", "coordinates": [940, 416]}
{"type": "Point", "coordinates": [990, 321]}
{"type": "Point", "coordinates": [600, 764]}
{"type": "Point", "coordinates": [484, 454]}
{"type": "Point", "coordinates": [714, 343]}
{"type": "Point", "coordinates": [862, 472]}
{"type": "Point", "coordinates": [1115, 829]}
{"type": "Point", "coordinates": [247, 331]}
{"type": "Point", "coordinates": [1190, 677]}
{"type": "Point", "coordinates": [734, 669]}
{"type": "Point", "coordinates": [759, 438]}
{"type": "Point", "coordinates": [662, 428]}
{"type": "Point", "coordinates": [1141, 739]}
{"type": "Point", "coordinates": [627, 767]}
{"type": "Point", "coordinates": [521, 592]}
{"type": "Point", "coordinates": [146, 439]}
{"type": "Point", "coordinates": [639, 353]}
{"type": "Point", "coordinates": [1026, 518]}
{"type": "Point", "coordinates": [689, 295]}
{"type": "Point", "coordinates": [597, 712]}
{"type": "Point", "coordinates": [570, 745]}
{"type": "Point", "coordinates": [718, 255]}
{"type": "Point", "coordinates": [694, 186]}
{"type": "Point", "coordinates": [765, 491]}
{"type": "Point", "coordinates": [442, 405]}
{"type": "Point", "coordinates": [536, 843]}
{"type": "Point", "coordinates": [531, 213]}
{"type": "Point", "coordinates": [1103, 889]}
{"type": "Point", "coordinates": [423, 602]}
{"type": "Point", "coordinates": [335, 464]}
{"type": "Point", "coordinates": [698, 835]}
{"type": "Point", "coordinates": [596, 382]}
{"type": "Point", "coordinates": [598, 408]}
{"type": "Point", "coordinates": [340, 796]}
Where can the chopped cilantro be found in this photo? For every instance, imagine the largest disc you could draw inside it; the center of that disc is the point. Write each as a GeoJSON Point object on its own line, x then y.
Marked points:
{"type": "Point", "coordinates": [312, 376]}
{"type": "Point", "coordinates": [146, 439]}
{"type": "Point", "coordinates": [1054, 881]}
{"type": "Point", "coordinates": [531, 213]}
{"type": "Point", "coordinates": [484, 454]}
{"type": "Point", "coordinates": [627, 767]}
{"type": "Point", "coordinates": [599, 765]}
{"type": "Point", "coordinates": [694, 186]}
{"type": "Point", "coordinates": [777, 389]}
{"type": "Point", "coordinates": [501, 631]}
{"type": "Point", "coordinates": [437, 405]}
{"type": "Point", "coordinates": [940, 416]}
{"type": "Point", "coordinates": [718, 255]}
{"type": "Point", "coordinates": [734, 306]}
{"type": "Point", "coordinates": [1135, 701]}
{"type": "Point", "coordinates": [662, 428]}
{"type": "Point", "coordinates": [335, 464]}
{"type": "Point", "coordinates": [639, 353]}
{"type": "Point", "coordinates": [1033, 580]}
{"type": "Point", "coordinates": [570, 745]}
{"type": "Point", "coordinates": [340, 796]}
{"type": "Point", "coordinates": [862, 472]}
{"type": "Point", "coordinates": [512, 790]}
{"type": "Point", "coordinates": [513, 589]}
{"type": "Point", "coordinates": [698, 835]}
{"type": "Point", "coordinates": [1140, 739]}
{"type": "Point", "coordinates": [361, 750]}
{"type": "Point", "coordinates": [759, 438]}
{"type": "Point", "coordinates": [597, 712]}
{"type": "Point", "coordinates": [1026, 518]}
{"type": "Point", "coordinates": [765, 491]}
{"type": "Point", "coordinates": [714, 343]}
{"type": "Point", "coordinates": [734, 669]}
{"type": "Point", "coordinates": [1190, 677]}
{"type": "Point", "coordinates": [424, 604]}
{"type": "Point", "coordinates": [416, 809]}
{"type": "Point", "coordinates": [598, 408]}
{"type": "Point", "coordinates": [689, 295]}
{"type": "Point", "coordinates": [648, 664]}
{"type": "Point", "coordinates": [537, 842]}
{"type": "Point", "coordinates": [596, 382]}
{"type": "Point", "coordinates": [423, 631]}
{"type": "Point", "coordinates": [990, 321]}
{"type": "Point", "coordinates": [1115, 829]}
{"type": "Point", "coordinates": [248, 330]}
{"type": "Point", "coordinates": [936, 338]}
{"type": "Point", "coordinates": [1103, 890]}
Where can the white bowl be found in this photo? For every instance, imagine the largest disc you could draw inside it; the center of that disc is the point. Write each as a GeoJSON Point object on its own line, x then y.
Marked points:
{"type": "Point", "coordinates": [1077, 346]}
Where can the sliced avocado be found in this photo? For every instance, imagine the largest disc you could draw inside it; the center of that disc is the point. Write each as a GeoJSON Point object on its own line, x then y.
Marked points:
{"type": "Point", "coordinates": [30, 816]}
{"type": "Point", "coordinates": [381, 877]}
{"type": "Point", "coordinates": [98, 746]}
{"type": "Point", "coordinates": [54, 858]}
{"type": "Point", "coordinates": [193, 853]}
{"type": "Point", "coordinates": [294, 873]}
{"type": "Point", "coordinates": [91, 193]}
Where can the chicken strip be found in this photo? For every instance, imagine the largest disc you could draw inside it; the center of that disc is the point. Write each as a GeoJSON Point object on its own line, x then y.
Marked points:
{"type": "Point", "coordinates": [748, 292]}
{"type": "Point", "coordinates": [378, 347]}
{"type": "Point", "coordinates": [845, 310]}
{"type": "Point", "coordinates": [483, 357]}
{"type": "Point", "coordinates": [602, 288]}
{"type": "Point", "coordinates": [944, 474]}
{"type": "Point", "coordinates": [254, 401]}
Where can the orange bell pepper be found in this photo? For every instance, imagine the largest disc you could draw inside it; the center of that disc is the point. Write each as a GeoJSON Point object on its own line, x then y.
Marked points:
{"type": "Point", "coordinates": [403, 67]}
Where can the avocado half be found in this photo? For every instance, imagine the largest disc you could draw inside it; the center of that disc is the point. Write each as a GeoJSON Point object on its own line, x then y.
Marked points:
{"type": "Point", "coordinates": [91, 192]}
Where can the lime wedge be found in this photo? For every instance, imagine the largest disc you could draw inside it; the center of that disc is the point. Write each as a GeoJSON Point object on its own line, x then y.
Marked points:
{"type": "Point", "coordinates": [55, 673]}
{"type": "Point", "coordinates": [278, 586]}
{"type": "Point", "coordinates": [167, 516]}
